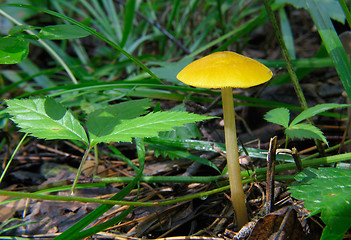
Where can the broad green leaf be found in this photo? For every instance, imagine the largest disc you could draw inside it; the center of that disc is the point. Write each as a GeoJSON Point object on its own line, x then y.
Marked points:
{"type": "Point", "coordinates": [65, 31]}
{"type": "Point", "coordinates": [13, 50]}
{"type": "Point", "coordinates": [326, 191]}
{"type": "Point", "coordinates": [280, 116]}
{"type": "Point", "coordinates": [102, 122]}
{"type": "Point", "coordinates": [45, 118]}
{"type": "Point", "coordinates": [305, 131]}
{"type": "Point", "coordinates": [147, 126]}
{"type": "Point", "coordinates": [310, 112]}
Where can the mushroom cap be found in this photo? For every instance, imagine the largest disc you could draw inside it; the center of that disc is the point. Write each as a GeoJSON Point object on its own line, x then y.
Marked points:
{"type": "Point", "coordinates": [225, 69]}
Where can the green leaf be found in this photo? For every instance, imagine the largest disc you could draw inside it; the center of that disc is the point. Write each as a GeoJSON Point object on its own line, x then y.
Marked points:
{"type": "Point", "coordinates": [102, 122]}
{"type": "Point", "coordinates": [147, 126]}
{"type": "Point", "coordinates": [334, 9]}
{"type": "Point", "coordinates": [305, 131]}
{"type": "Point", "coordinates": [280, 116]}
{"type": "Point", "coordinates": [326, 191]}
{"type": "Point", "coordinates": [287, 33]}
{"type": "Point", "coordinates": [320, 15]}
{"type": "Point", "coordinates": [45, 118]}
{"type": "Point", "coordinates": [88, 29]}
{"type": "Point", "coordinates": [128, 20]}
{"type": "Point", "coordinates": [21, 28]}
{"type": "Point", "coordinates": [13, 50]}
{"type": "Point", "coordinates": [169, 70]}
{"type": "Point", "coordinates": [65, 31]}
{"type": "Point", "coordinates": [310, 112]}
{"type": "Point", "coordinates": [188, 131]}
{"type": "Point", "coordinates": [176, 152]}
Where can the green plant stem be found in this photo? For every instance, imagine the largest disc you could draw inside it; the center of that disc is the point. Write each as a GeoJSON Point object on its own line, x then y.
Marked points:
{"type": "Point", "coordinates": [336, 147]}
{"type": "Point", "coordinates": [85, 156]}
{"type": "Point", "coordinates": [46, 46]}
{"type": "Point", "coordinates": [12, 156]}
{"type": "Point", "coordinates": [76, 230]}
{"type": "Point", "coordinates": [346, 11]}
{"type": "Point", "coordinates": [257, 175]}
{"type": "Point", "coordinates": [305, 163]}
{"type": "Point", "coordinates": [96, 158]}
{"type": "Point", "coordinates": [286, 56]}
{"type": "Point", "coordinates": [235, 181]}
{"type": "Point", "coordinates": [100, 182]}
{"type": "Point", "coordinates": [290, 68]}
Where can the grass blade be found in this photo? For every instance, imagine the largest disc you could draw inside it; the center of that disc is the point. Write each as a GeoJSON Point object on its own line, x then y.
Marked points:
{"type": "Point", "coordinates": [74, 231]}
{"type": "Point", "coordinates": [332, 42]}
{"type": "Point", "coordinates": [128, 20]}
{"type": "Point", "coordinates": [91, 30]}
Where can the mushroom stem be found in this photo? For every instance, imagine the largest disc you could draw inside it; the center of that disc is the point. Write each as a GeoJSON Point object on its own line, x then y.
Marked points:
{"type": "Point", "coordinates": [235, 181]}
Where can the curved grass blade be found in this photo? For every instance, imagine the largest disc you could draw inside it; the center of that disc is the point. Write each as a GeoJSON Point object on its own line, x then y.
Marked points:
{"type": "Point", "coordinates": [128, 20]}
{"type": "Point", "coordinates": [332, 42]}
{"type": "Point", "coordinates": [74, 231]}
{"type": "Point", "coordinates": [90, 30]}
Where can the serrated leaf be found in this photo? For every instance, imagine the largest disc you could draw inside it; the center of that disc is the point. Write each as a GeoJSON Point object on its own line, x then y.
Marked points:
{"type": "Point", "coordinates": [45, 118]}
{"type": "Point", "coordinates": [64, 31]}
{"type": "Point", "coordinates": [188, 131]}
{"type": "Point", "coordinates": [326, 191]}
{"type": "Point", "coordinates": [148, 126]}
{"type": "Point", "coordinates": [102, 122]}
{"type": "Point", "coordinates": [13, 50]}
{"type": "Point", "coordinates": [312, 111]}
{"type": "Point", "coordinates": [305, 131]}
{"type": "Point", "coordinates": [280, 116]}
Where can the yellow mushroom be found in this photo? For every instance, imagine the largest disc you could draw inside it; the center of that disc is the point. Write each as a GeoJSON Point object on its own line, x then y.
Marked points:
{"type": "Point", "coordinates": [227, 70]}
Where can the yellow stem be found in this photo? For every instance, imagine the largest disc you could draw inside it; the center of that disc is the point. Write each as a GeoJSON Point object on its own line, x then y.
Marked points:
{"type": "Point", "coordinates": [236, 187]}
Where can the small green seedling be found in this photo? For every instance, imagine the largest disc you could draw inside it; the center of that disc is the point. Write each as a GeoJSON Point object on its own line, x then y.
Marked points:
{"type": "Point", "coordinates": [47, 119]}
{"type": "Point", "coordinates": [296, 129]}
